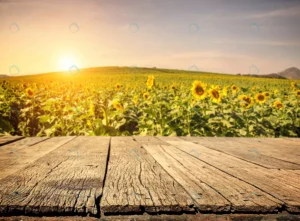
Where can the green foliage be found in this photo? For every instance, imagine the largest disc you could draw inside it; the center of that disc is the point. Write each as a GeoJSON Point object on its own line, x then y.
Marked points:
{"type": "Point", "coordinates": [91, 104]}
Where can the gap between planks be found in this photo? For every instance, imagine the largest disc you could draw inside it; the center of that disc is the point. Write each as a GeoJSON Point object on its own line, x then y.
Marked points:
{"type": "Point", "coordinates": [274, 183]}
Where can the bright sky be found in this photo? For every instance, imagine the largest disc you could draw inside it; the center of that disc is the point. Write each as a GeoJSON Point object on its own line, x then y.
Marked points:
{"type": "Point", "coordinates": [228, 36]}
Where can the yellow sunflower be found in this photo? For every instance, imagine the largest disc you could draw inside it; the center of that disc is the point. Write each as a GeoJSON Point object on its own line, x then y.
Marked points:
{"type": "Point", "coordinates": [293, 84]}
{"type": "Point", "coordinates": [278, 105]}
{"type": "Point", "coordinates": [150, 81]}
{"type": "Point", "coordinates": [146, 95]}
{"type": "Point", "coordinates": [298, 93]}
{"type": "Point", "coordinates": [225, 91]}
{"type": "Point", "coordinates": [199, 90]}
{"type": "Point", "coordinates": [267, 94]}
{"type": "Point", "coordinates": [29, 92]}
{"type": "Point", "coordinates": [135, 99]}
{"type": "Point", "coordinates": [247, 101]}
{"type": "Point", "coordinates": [215, 95]}
{"type": "Point", "coordinates": [260, 98]}
{"type": "Point", "coordinates": [117, 105]}
{"type": "Point", "coordinates": [234, 89]}
{"type": "Point", "coordinates": [118, 86]}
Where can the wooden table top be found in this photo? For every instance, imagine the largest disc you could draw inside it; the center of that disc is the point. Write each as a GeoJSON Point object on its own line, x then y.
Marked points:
{"type": "Point", "coordinates": [147, 177]}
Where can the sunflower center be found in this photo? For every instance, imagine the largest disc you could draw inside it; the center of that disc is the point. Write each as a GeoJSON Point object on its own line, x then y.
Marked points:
{"type": "Point", "coordinates": [247, 100]}
{"type": "Point", "coordinates": [215, 94]}
{"type": "Point", "coordinates": [199, 90]}
{"type": "Point", "coordinates": [260, 97]}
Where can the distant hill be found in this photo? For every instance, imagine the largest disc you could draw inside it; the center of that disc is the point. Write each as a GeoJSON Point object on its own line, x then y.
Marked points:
{"type": "Point", "coordinates": [265, 76]}
{"type": "Point", "coordinates": [3, 76]}
{"type": "Point", "coordinates": [290, 73]}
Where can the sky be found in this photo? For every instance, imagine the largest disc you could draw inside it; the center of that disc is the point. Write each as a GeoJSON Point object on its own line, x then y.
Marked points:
{"type": "Point", "coordinates": [224, 36]}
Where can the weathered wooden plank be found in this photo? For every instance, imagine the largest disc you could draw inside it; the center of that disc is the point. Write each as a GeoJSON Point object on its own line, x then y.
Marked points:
{"type": "Point", "coordinates": [273, 147]}
{"type": "Point", "coordinates": [9, 154]}
{"type": "Point", "coordinates": [16, 157]}
{"type": "Point", "coordinates": [135, 183]}
{"type": "Point", "coordinates": [9, 139]}
{"type": "Point", "coordinates": [165, 217]}
{"type": "Point", "coordinates": [283, 187]}
{"type": "Point", "coordinates": [243, 151]}
{"type": "Point", "coordinates": [23, 143]}
{"type": "Point", "coordinates": [292, 139]}
{"type": "Point", "coordinates": [67, 180]}
{"type": "Point", "coordinates": [205, 197]}
{"type": "Point", "coordinates": [240, 195]}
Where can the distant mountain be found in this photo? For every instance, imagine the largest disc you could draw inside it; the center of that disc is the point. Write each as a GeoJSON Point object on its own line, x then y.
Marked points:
{"type": "Point", "coordinates": [265, 76]}
{"type": "Point", "coordinates": [274, 75]}
{"type": "Point", "coordinates": [3, 76]}
{"type": "Point", "coordinates": [290, 73]}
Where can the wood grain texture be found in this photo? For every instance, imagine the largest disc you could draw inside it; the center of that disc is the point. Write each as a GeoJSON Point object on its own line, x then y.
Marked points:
{"type": "Point", "coordinates": [279, 185]}
{"type": "Point", "coordinates": [294, 139]}
{"type": "Point", "coordinates": [9, 139]}
{"type": "Point", "coordinates": [16, 156]}
{"type": "Point", "coordinates": [245, 151]}
{"type": "Point", "coordinates": [277, 148]}
{"type": "Point", "coordinates": [135, 183]}
{"type": "Point", "coordinates": [164, 217]}
{"type": "Point", "coordinates": [68, 180]}
{"type": "Point", "coordinates": [238, 196]}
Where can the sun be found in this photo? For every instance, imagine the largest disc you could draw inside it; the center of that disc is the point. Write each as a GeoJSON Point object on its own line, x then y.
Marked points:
{"type": "Point", "coordinates": [66, 62]}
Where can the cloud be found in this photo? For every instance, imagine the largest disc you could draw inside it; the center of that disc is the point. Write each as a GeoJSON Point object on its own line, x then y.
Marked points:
{"type": "Point", "coordinates": [209, 54]}
{"type": "Point", "coordinates": [288, 12]}
{"type": "Point", "coordinates": [259, 43]}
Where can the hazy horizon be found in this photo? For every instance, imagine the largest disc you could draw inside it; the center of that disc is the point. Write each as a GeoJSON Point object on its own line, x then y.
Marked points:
{"type": "Point", "coordinates": [216, 36]}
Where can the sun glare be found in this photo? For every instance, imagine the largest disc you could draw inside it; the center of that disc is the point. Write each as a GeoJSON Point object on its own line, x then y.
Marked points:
{"type": "Point", "coordinates": [66, 62]}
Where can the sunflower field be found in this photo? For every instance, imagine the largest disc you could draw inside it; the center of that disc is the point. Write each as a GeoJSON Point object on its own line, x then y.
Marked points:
{"type": "Point", "coordinates": [144, 101]}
